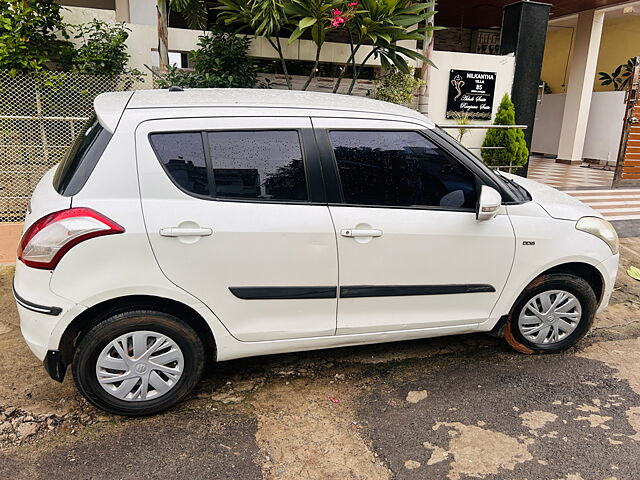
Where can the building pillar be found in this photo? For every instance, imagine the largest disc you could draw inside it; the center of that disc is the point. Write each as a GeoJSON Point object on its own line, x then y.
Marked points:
{"type": "Point", "coordinates": [580, 88]}
{"type": "Point", "coordinates": [524, 32]}
{"type": "Point", "coordinates": [122, 11]}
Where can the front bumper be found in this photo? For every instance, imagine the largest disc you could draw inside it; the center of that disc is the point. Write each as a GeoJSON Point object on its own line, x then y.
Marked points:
{"type": "Point", "coordinates": [609, 270]}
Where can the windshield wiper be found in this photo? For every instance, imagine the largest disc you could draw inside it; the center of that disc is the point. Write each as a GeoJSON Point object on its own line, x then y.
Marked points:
{"type": "Point", "coordinates": [519, 187]}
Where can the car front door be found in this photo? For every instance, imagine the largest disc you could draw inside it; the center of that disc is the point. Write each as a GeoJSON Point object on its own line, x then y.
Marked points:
{"type": "Point", "coordinates": [411, 253]}
{"type": "Point", "coordinates": [235, 213]}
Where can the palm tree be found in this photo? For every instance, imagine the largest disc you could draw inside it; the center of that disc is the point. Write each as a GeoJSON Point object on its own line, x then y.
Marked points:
{"type": "Point", "coordinates": [195, 13]}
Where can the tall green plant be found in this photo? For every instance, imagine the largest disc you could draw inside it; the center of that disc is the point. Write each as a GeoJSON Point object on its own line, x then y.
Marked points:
{"type": "Point", "coordinates": [262, 18]}
{"type": "Point", "coordinates": [514, 148]}
{"type": "Point", "coordinates": [382, 24]}
{"type": "Point", "coordinates": [317, 16]}
{"type": "Point", "coordinates": [29, 35]}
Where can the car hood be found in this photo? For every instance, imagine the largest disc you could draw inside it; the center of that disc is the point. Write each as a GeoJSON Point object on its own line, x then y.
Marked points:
{"type": "Point", "coordinates": [557, 204]}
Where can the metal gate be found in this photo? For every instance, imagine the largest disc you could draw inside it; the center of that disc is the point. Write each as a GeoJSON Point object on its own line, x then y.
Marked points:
{"type": "Point", "coordinates": [627, 172]}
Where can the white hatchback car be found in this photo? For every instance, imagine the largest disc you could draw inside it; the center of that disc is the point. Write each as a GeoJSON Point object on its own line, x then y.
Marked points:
{"type": "Point", "coordinates": [184, 226]}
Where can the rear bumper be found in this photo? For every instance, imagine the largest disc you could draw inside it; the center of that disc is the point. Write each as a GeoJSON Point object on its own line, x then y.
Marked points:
{"type": "Point", "coordinates": [44, 315]}
{"type": "Point", "coordinates": [54, 365]}
{"type": "Point", "coordinates": [34, 307]}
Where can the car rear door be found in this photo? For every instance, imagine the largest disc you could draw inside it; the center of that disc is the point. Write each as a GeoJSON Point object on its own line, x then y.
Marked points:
{"type": "Point", "coordinates": [411, 253]}
{"type": "Point", "coordinates": [236, 215]}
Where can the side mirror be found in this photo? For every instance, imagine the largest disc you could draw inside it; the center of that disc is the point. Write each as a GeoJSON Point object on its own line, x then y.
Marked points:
{"type": "Point", "coordinates": [489, 203]}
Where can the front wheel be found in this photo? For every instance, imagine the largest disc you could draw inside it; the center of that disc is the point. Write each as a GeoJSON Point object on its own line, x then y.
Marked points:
{"type": "Point", "coordinates": [552, 314]}
{"type": "Point", "coordinates": [138, 362]}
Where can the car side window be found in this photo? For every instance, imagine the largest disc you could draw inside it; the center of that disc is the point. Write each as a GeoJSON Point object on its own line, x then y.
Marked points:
{"type": "Point", "coordinates": [182, 155]}
{"type": "Point", "coordinates": [258, 165]}
{"type": "Point", "coordinates": [400, 168]}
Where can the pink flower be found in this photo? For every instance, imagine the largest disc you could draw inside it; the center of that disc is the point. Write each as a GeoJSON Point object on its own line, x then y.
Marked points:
{"type": "Point", "coordinates": [353, 4]}
{"type": "Point", "coordinates": [337, 21]}
{"type": "Point", "coordinates": [337, 12]}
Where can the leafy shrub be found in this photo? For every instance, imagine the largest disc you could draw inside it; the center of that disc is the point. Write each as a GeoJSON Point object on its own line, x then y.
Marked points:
{"type": "Point", "coordinates": [397, 87]}
{"type": "Point", "coordinates": [102, 49]}
{"type": "Point", "coordinates": [515, 150]}
{"type": "Point", "coordinates": [28, 35]}
{"type": "Point", "coordinates": [219, 62]}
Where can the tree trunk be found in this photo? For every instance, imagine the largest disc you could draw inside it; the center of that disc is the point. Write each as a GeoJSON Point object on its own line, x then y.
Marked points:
{"type": "Point", "coordinates": [353, 57]}
{"type": "Point", "coordinates": [278, 48]}
{"type": "Point", "coordinates": [315, 68]}
{"type": "Point", "coordinates": [357, 74]}
{"type": "Point", "coordinates": [425, 69]}
{"type": "Point", "coordinates": [346, 66]}
{"type": "Point", "coordinates": [163, 34]}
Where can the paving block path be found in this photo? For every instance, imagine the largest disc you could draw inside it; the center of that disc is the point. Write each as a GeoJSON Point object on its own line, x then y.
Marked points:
{"type": "Point", "coordinates": [618, 204]}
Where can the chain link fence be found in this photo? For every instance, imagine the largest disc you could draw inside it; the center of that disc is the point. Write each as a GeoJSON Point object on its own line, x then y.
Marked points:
{"type": "Point", "coordinates": [40, 116]}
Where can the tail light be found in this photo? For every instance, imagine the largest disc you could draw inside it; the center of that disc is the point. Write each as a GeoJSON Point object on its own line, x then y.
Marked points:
{"type": "Point", "coordinates": [47, 240]}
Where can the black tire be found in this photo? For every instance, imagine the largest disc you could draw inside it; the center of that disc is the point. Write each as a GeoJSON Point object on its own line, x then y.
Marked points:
{"type": "Point", "coordinates": [92, 344]}
{"type": "Point", "coordinates": [553, 281]}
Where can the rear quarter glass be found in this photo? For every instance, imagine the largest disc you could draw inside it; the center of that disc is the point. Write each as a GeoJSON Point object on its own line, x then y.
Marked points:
{"type": "Point", "coordinates": [81, 158]}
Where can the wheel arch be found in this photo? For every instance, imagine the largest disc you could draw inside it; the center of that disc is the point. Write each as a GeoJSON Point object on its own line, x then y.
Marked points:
{"type": "Point", "coordinates": [583, 270]}
{"type": "Point", "coordinates": [587, 272]}
{"type": "Point", "coordinates": [90, 317]}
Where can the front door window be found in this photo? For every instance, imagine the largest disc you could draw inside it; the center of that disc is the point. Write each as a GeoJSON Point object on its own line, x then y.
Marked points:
{"type": "Point", "coordinates": [400, 168]}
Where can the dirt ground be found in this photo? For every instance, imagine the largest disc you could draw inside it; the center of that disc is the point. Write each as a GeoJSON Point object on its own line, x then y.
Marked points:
{"type": "Point", "coordinates": [453, 408]}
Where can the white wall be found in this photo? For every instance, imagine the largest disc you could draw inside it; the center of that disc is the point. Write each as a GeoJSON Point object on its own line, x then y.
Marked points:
{"type": "Point", "coordinates": [603, 129]}
{"type": "Point", "coordinates": [77, 15]}
{"type": "Point", "coordinates": [439, 85]}
{"type": "Point", "coordinates": [142, 12]}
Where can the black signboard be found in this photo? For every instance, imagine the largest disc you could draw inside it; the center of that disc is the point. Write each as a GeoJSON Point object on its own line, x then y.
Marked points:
{"type": "Point", "coordinates": [471, 92]}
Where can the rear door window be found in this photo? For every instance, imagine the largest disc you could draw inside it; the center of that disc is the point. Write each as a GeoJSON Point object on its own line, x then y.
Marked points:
{"type": "Point", "coordinates": [258, 165]}
{"type": "Point", "coordinates": [183, 158]}
{"type": "Point", "coordinates": [401, 169]}
{"type": "Point", "coordinates": [265, 165]}
{"type": "Point", "coordinates": [76, 167]}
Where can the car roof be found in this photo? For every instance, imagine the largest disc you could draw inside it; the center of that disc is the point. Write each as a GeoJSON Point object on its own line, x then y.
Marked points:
{"type": "Point", "coordinates": [246, 97]}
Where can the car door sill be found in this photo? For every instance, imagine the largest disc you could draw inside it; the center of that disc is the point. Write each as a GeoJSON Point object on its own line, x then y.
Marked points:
{"type": "Point", "coordinates": [267, 347]}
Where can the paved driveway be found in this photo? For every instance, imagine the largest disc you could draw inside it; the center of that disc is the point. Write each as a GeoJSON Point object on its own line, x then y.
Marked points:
{"type": "Point", "coordinates": [452, 408]}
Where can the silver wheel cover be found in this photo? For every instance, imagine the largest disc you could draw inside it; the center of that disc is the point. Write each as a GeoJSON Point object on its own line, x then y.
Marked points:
{"type": "Point", "coordinates": [140, 365]}
{"type": "Point", "coordinates": [549, 317]}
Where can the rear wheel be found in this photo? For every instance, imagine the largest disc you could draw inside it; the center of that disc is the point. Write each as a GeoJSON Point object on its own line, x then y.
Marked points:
{"type": "Point", "coordinates": [552, 314]}
{"type": "Point", "coordinates": [138, 362]}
